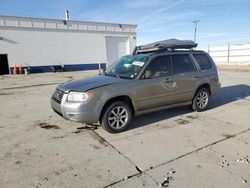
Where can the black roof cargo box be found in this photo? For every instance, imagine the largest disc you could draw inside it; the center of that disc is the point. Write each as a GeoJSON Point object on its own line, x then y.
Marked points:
{"type": "Point", "coordinates": [165, 45]}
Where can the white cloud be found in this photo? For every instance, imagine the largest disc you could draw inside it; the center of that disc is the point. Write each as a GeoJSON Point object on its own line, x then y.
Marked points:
{"type": "Point", "coordinates": [181, 24]}
{"type": "Point", "coordinates": [154, 30]}
{"type": "Point", "coordinates": [171, 5]}
{"type": "Point", "coordinates": [211, 35]}
{"type": "Point", "coordinates": [137, 4]}
{"type": "Point", "coordinates": [168, 21]}
{"type": "Point", "coordinates": [233, 5]}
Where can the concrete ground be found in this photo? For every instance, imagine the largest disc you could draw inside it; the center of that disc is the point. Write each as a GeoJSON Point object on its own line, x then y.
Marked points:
{"type": "Point", "coordinates": [234, 67]}
{"type": "Point", "coordinates": [171, 148]}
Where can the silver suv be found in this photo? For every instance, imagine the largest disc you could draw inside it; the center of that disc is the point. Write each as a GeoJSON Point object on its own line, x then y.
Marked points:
{"type": "Point", "coordinates": [157, 76]}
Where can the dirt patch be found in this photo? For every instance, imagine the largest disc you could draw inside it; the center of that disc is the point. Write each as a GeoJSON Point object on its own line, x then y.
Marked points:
{"type": "Point", "coordinates": [182, 121]}
{"type": "Point", "coordinates": [70, 77]}
{"type": "Point", "coordinates": [244, 159]}
{"type": "Point", "coordinates": [18, 162]}
{"type": "Point", "coordinates": [45, 125]}
{"type": "Point", "coordinates": [56, 172]}
{"type": "Point", "coordinates": [85, 128]}
{"type": "Point", "coordinates": [224, 163]}
{"type": "Point", "coordinates": [98, 138]}
{"type": "Point", "coordinates": [192, 117]}
{"type": "Point", "coordinates": [77, 132]}
{"type": "Point", "coordinates": [228, 136]}
{"type": "Point", "coordinates": [58, 137]}
{"type": "Point", "coordinates": [7, 93]}
{"type": "Point", "coordinates": [168, 179]}
{"type": "Point", "coordinates": [94, 146]}
{"type": "Point", "coordinates": [243, 180]}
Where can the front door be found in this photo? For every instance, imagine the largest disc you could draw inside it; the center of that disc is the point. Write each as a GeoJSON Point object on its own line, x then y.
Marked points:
{"type": "Point", "coordinates": [4, 65]}
{"type": "Point", "coordinates": [157, 87]}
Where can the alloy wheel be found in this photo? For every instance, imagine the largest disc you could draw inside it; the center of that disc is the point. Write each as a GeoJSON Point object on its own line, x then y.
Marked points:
{"type": "Point", "coordinates": [202, 99]}
{"type": "Point", "coordinates": [118, 117]}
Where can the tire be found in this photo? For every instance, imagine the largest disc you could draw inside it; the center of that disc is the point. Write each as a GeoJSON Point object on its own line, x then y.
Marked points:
{"type": "Point", "coordinates": [116, 117]}
{"type": "Point", "coordinates": [201, 100]}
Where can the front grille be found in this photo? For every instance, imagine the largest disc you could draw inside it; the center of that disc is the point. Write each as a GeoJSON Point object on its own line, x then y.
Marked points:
{"type": "Point", "coordinates": [57, 96]}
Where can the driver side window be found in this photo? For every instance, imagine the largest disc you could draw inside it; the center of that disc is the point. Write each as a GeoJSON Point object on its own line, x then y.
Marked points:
{"type": "Point", "coordinates": [159, 66]}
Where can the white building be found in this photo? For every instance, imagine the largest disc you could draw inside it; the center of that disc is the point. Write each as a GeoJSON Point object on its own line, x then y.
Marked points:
{"type": "Point", "coordinates": [78, 45]}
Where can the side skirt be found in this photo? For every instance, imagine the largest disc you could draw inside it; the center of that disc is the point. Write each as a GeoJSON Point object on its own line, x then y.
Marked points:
{"type": "Point", "coordinates": [162, 108]}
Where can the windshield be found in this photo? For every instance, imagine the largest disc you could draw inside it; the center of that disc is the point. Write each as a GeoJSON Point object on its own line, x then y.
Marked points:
{"type": "Point", "coordinates": [126, 67]}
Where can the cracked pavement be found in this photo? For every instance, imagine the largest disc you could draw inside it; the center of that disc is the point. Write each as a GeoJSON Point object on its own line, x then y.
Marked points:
{"type": "Point", "coordinates": [170, 148]}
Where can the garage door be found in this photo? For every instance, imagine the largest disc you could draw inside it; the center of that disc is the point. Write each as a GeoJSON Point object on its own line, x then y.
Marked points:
{"type": "Point", "coordinates": [116, 47]}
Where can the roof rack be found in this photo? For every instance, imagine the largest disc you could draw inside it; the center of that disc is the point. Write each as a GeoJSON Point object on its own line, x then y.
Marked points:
{"type": "Point", "coordinates": [165, 45]}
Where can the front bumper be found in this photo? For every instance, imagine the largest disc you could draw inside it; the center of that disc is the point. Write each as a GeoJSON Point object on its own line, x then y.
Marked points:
{"type": "Point", "coordinates": [75, 111]}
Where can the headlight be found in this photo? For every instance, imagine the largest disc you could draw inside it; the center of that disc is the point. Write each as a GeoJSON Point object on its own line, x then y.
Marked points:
{"type": "Point", "coordinates": [79, 96]}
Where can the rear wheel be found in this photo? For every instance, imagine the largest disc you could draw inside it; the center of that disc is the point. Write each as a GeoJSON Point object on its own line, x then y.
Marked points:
{"type": "Point", "coordinates": [201, 100]}
{"type": "Point", "coordinates": [117, 117]}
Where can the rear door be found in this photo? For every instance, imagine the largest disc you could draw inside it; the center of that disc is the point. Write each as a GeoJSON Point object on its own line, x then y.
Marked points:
{"type": "Point", "coordinates": [157, 87]}
{"type": "Point", "coordinates": [208, 71]}
{"type": "Point", "coordinates": [186, 77]}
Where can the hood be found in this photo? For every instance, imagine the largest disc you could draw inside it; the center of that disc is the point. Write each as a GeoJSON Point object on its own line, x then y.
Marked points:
{"type": "Point", "coordinates": [89, 83]}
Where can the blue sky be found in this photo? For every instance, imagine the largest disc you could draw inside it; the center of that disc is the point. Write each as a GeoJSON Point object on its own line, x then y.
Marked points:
{"type": "Point", "coordinates": [221, 21]}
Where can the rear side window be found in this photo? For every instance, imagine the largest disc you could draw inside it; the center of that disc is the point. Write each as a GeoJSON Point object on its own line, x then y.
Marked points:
{"type": "Point", "coordinates": [182, 64]}
{"type": "Point", "coordinates": [203, 61]}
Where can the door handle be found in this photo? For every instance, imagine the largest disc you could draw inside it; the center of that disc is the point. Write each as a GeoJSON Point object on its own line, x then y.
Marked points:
{"type": "Point", "coordinates": [168, 80]}
{"type": "Point", "coordinates": [195, 76]}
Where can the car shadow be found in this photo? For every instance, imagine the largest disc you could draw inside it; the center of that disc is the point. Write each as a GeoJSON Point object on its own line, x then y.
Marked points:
{"type": "Point", "coordinates": [229, 94]}
{"type": "Point", "coordinates": [154, 117]}
{"type": "Point", "coordinates": [225, 95]}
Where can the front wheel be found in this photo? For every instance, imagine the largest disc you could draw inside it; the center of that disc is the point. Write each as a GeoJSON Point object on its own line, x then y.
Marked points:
{"type": "Point", "coordinates": [201, 100]}
{"type": "Point", "coordinates": [117, 117]}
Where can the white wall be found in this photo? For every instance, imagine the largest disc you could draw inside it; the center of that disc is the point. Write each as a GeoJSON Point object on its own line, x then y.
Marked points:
{"type": "Point", "coordinates": [49, 42]}
{"type": "Point", "coordinates": [49, 47]}
{"type": "Point", "coordinates": [232, 54]}
{"type": "Point", "coordinates": [46, 48]}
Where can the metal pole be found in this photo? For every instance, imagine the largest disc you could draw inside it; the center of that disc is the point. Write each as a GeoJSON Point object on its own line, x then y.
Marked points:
{"type": "Point", "coordinates": [195, 28]}
{"type": "Point", "coordinates": [99, 68]}
{"type": "Point", "coordinates": [228, 52]}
